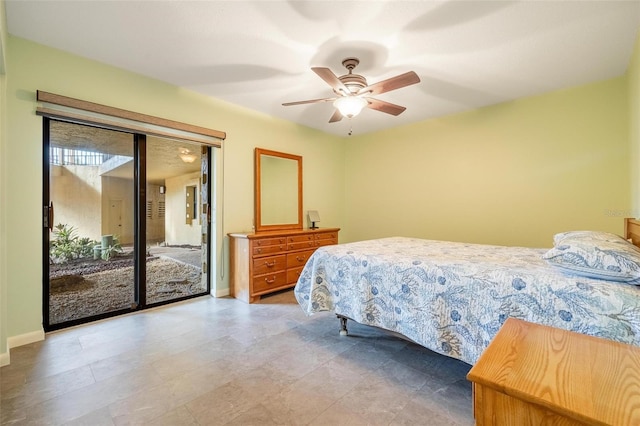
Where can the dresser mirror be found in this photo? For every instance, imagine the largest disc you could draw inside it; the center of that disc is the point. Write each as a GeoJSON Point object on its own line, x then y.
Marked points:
{"type": "Point", "coordinates": [278, 190]}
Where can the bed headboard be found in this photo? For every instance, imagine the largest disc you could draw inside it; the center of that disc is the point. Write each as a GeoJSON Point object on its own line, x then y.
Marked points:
{"type": "Point", "coordinates": [632, 230]}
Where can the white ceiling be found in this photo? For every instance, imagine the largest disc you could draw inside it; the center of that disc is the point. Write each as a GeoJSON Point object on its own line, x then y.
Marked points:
{"type": "Point", "coordinates": [257, 54]}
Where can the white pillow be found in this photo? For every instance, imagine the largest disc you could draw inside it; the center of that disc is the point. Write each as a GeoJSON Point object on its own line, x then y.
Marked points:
{"type": "Point", "coordinates": [615, 260]}
{"type": "Point", "coordinates": [588, 235]}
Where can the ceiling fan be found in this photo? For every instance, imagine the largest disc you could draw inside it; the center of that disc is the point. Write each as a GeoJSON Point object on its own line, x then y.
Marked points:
{"type": "Point", "coordinates": [354, 93]}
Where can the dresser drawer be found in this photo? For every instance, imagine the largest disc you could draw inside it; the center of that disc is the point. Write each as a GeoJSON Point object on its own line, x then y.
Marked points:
{"type": "Point", "coordinates": [264, 265]}
{"type": "Point", "coordinates": [301, 245]}
{"type": "Point", "coordinates": [298, 259]}
{"type": "Point", "coordinates": [294, 274]}
{"type": "Point", "coordinates": [261, 242]}
{"type": "Point", "coordinates": [269, 249]}
{"type": "Point", "coordinates": [327, 242]}
{"type": "Point", "coordinates": [269, 282]}
{"type": "Point", "coordinates": [300, 238]}
{"type": "Point", "coordinates": [327, 236]}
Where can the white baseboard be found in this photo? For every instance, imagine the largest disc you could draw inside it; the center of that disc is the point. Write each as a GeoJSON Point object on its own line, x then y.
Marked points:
{"type": "Point", "coordinates": [25, 339]}
{"type": "Point", "coordinates": [4, 359]}
{"type": "Point", "coordinates": [222, 293]}
{"type": "Point", "coordinates": [15, 341]}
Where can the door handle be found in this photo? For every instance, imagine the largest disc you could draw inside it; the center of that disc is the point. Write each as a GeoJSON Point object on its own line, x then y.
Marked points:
{"type": "Point", "coordinates": [51, 214]}
{"type": "Point", "coordinates": [48, 216]}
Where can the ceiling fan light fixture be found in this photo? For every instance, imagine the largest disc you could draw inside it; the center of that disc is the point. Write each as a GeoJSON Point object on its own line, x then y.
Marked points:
{"type": "Point", "coordinates": [350, 106]}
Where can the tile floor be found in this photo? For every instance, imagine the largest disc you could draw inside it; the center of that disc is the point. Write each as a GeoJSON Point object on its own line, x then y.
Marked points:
{"type": "Point", "coordinates": [219, 361]}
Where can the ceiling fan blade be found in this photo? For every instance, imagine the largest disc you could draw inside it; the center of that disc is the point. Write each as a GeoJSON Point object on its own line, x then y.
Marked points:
{"type": "Point", "coordinates": [392, 83]}
{"type": "Point", "coordinates": [332, 80]}
{"type": "Point", "coordinates": [335, 117]}
{"type": "Point", "coordinates": [310, 101]}
{"type": "Point", "coordinates": [383, 106]}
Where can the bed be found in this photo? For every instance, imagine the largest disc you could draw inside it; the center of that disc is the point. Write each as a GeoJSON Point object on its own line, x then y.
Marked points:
{"type": "Point", "coordinates": [452, 298]}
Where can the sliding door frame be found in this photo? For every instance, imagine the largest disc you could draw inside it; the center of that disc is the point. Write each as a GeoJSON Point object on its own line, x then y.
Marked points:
{"type": "Point", "coordinates": [139, 222]}
{"type": "Point", "coordinates": [71, 110]}
{"type": "Point", "coordinates": [47, 228]}
{"type": "Point", "coordinates": [140, 227]}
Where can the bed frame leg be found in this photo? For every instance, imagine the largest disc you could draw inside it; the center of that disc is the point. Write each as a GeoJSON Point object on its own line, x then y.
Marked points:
{"type": "Point", "coordinates": [343, 325]}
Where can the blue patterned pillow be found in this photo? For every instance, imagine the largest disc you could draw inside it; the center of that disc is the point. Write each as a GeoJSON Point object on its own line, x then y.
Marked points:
{"type": "Point", "coordinates": [615, 260]}
{"type": "Point", "coordinates": [587, 235]}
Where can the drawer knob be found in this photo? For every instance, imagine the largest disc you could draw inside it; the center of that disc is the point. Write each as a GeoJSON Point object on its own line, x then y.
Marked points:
{"type": "Point", "coordinates": [300, 258]}
{"type": "Point", "coordinates": [270, 264]}
{"type": "Point", "coordinates": [270, 281]}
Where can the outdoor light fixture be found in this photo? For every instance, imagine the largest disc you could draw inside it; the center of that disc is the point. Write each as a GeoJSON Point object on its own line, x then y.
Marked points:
{"type": "Point", "coordinates": [187, 156]}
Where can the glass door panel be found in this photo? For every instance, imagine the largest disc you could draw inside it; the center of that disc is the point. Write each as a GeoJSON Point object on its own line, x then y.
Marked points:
{"type": "Point", "coordinates": [176, 221]}
{"type": "Point", "coordinates": [91, 256]}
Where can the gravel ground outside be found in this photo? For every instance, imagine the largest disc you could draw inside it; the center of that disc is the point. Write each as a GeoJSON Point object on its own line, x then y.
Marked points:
{"type": "Point", "coordinates": [87, 288]}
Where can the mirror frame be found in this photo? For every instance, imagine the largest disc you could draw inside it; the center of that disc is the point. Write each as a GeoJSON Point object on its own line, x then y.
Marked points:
{"type": "Point", "coordinates": [257, 191]}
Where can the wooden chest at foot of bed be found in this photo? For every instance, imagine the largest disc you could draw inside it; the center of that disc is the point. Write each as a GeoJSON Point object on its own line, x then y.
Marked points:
{"type": "Point", "coordinates": [532, 374]}
{"type": "Point", "coordinates": [266, 262]}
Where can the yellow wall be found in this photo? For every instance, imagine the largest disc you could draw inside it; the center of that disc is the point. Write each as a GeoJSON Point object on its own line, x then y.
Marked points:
{"type": "Point", "coordinates": [513, 174]}
{"type": "Point", "coordinates": [633, 75]}
{"type": "Point", "coordinates": [4, 354]}
{"type": "Point", "coordinates": [32, 67]}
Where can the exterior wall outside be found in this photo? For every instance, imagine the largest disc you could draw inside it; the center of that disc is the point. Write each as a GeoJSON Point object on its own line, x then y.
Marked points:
{"type": "Point", "coordinates": [512, 174]}
{"type": "Point", "coordinates": [155, 223]}
{"type": "Point", "coordinates": [119, 190]}
{"type": "Point", "coordinates": [177, 231]}
{"type": "Point", "coordinates": [76, 195]}
{"type": "Point", "coordinates": [79, 200]}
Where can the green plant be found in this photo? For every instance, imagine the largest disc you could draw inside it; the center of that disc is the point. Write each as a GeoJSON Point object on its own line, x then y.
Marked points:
{"type": "Point", "coordinates": [66, 245]}
{"type": "Point", "coordinates": [112, 250]}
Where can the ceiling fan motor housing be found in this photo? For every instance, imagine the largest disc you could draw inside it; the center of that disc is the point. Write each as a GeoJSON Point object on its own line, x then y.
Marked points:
{"type": "Point", "coordinates": [354, 82]}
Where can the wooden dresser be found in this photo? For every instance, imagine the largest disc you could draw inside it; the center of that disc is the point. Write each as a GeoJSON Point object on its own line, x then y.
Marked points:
{"type": "Point", "coordinates": [533, 375]}
{"type": "Point", "coordinates": [264, 262]}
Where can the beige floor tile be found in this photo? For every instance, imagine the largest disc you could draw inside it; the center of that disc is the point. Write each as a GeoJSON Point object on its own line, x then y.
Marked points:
{"type": "Point", "coordinates": [222, 404]}
{"type": "Point", "coordinates": [179, 416]}
{"type": "Point", "coordinates": [220, 361]}
{"type": "Point", "coordinates": [100, 417]}
{"type": "Point", "coordinates": [341, 414]}
{"type": "Point", "coordinates": [83, 401]}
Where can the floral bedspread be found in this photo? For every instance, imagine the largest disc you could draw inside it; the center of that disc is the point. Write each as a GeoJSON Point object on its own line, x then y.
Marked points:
{"type": "Point", "coordinates": [453, 297]}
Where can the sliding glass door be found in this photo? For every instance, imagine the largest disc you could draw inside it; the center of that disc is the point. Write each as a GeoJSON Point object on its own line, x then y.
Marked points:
{"type": "Point", "coordinates": [176, 220]}
{"type": "Point", "coordinates": [126, 223]}
{"type": "Point", "coordinates": [91, 191]}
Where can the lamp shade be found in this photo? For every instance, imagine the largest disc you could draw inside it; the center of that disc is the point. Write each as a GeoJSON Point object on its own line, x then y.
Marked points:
{"type": "Point", "coordinates": [350, 106]}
